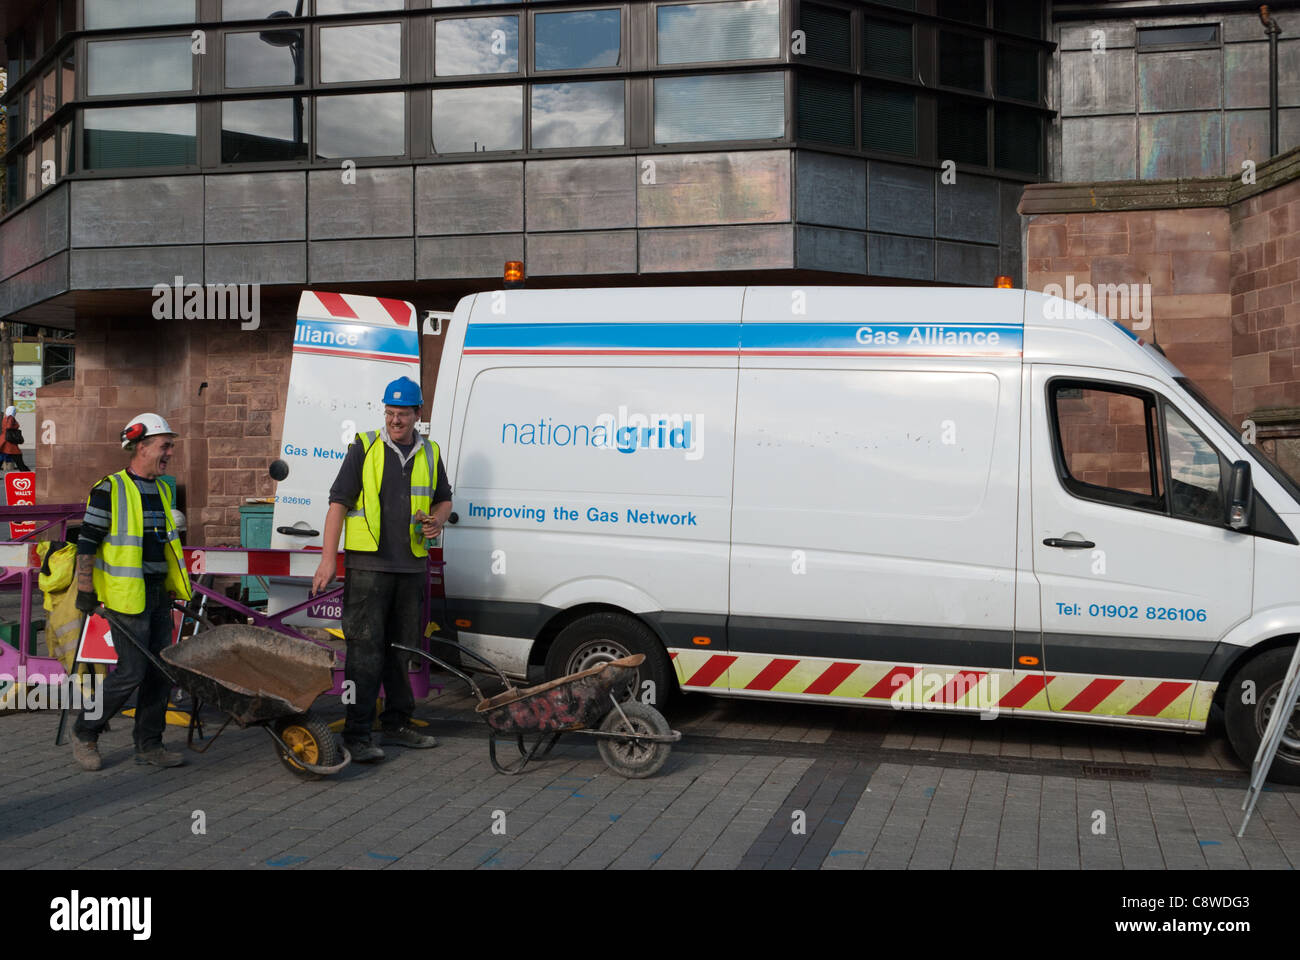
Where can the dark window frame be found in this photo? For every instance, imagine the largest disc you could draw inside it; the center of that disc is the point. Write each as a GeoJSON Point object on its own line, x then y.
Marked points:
{"type": "Point", "coordinates": [308, 65]}
{"type": "Point", "coordinates": [549, 78]}
{"type": "Point", "coordinates": [783, 20]}
{"type": "Point", "coordinates": [128, 99]}
{"type": "Point", "coordinates": [459, 79]}
{"type": "Point", "coordinates": [788, 92]}
{"type": "Point", "coordinates": [1167, 45]}
{"type": "Point", "coordinates": [318, 160]}
{"type": "Point", "coordinates": [309, 138]}
{"type": "Point", "coordinates": [864, 21]}
{"type": "Point", "coordinates": [403, 78]}
{"type": "Point", "coordinates": [508, 80]}
{"type": "Point", "coordinates": [160, 170]}
{"type": "Point", "coordinates": [528, 58]}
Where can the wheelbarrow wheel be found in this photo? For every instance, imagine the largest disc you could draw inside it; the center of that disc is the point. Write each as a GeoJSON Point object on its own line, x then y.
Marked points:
{"type": "Point", "coordinates": [311, 740]}
{"type": "Point", "coordinates": [631, 758]}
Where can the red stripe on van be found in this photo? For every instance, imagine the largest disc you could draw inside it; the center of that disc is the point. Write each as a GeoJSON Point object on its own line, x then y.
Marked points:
{"type": "Point", "coordinates": [770, 675]}
{"type": "Point", "coordinates": [712, 669]}
{"type": "Point", "coordinates": [888, 685]}
{"type": "Point", "coordinates": [335, 304]}
{"type": "Point", "coordinates": [1025, 690]}
{"type": "Point", "coordinates": [397, 309]}
{"type": "Point", "coordinates": [1093, 694]}
{"type": "Point", "coordinates": [1159, 698]}
{"type": "Point", "coordinates": [961, 684]}
{"type": "Point", "coordinates": [831, 678]}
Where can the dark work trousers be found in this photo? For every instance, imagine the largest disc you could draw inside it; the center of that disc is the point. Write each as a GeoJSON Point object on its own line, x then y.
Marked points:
{"type": "Point", "coordinates": [380, 609]}
{"type": "Point", "coordinates": [152, 628]}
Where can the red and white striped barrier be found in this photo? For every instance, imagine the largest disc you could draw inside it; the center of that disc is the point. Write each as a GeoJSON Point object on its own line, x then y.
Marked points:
{"type": "Point", "coordinates": [14, 555]}
{"type": "Point", "coordinates": [319, 305]}
{"type": "Point", "coordinates": [255, 563]}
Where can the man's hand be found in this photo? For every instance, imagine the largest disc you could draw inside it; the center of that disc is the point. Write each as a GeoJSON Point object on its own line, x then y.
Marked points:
{"type": "Point", "coordinates": [324, 575]}
{"type": "Point", "coordinates": [430, 525]}
{"type": "Point", "coordinates": [87, 602]}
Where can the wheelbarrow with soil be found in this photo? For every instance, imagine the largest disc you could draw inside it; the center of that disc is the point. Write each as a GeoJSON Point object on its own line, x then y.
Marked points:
{"type": "Point", "coordinates": [259, 678]}
{"type": "Point", "coordinates": [633, 738]}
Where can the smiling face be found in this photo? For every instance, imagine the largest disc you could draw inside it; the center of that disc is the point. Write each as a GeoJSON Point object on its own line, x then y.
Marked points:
{"type": "Point", "coordinates": [400, 422]}
{"type": "Point", "coordinates": [152, 455]}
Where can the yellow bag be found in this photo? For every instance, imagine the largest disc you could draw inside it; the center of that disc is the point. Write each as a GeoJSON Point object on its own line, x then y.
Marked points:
{"type": "Point", "coordinates": [61, 564]}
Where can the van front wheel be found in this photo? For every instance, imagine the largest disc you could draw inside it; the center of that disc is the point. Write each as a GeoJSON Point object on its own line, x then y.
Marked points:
{"type": "Point", "coordinates": [1260, 682]}
{"type": "Point", "coordinates": [602, 637]}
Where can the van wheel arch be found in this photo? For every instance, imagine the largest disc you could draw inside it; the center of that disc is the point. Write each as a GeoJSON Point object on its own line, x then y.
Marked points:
{"type": "Point", "coordinates": [1244, 722]}
{"type": "Point", "coordinates": [630, 632]}
{"type": "Point", "coordinates": [1244, 657]}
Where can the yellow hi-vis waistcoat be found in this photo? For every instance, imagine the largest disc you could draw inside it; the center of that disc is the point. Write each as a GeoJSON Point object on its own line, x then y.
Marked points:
{"type": "Point", "coordinates": [361, 531]}
{"type": "Point", "coordinates": [119, 564]}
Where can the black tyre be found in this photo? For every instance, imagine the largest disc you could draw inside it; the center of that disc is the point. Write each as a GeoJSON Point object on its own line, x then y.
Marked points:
{"type": "Point", "coordinates": [1246, 722]}
{"type": "Point", "coordinates": [311, 740]}
{"type": "Point", "coordinates": [602, 637]}
{"type": "Point", "coordinates": [631, 758]}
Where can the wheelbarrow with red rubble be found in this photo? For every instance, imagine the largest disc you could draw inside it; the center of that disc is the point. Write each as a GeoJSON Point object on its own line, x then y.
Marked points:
{"type": "Point", "coordinates": [632, 738]}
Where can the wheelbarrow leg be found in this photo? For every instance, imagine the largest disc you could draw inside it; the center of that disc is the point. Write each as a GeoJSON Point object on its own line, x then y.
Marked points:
{"type": "Point", "coordinates": [539, 750]}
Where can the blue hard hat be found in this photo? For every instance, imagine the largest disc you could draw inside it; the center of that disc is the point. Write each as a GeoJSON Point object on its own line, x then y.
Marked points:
{"type": "Point", "coordinates": [403, 392]}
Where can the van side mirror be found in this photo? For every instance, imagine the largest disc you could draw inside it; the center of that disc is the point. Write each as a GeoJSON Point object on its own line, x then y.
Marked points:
{"type": "Point", "coordinates": [1241, 495]}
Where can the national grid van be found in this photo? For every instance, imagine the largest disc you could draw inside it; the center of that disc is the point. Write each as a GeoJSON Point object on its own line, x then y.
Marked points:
{"type": "Point", "coordinates": [970, 499]}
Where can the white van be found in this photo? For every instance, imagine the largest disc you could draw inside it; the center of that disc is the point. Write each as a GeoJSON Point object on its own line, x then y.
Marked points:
{"type": "Point", "coordinates": [922, 498]}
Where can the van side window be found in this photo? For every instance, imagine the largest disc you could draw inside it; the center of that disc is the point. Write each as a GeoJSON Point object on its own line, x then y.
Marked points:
{"type": "Point", "coordinates": [1106, 447]}
{"type": "Point", "coordinates": [1195, 475]}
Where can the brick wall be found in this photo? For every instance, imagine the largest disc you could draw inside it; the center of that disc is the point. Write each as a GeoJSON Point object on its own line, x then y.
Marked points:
{"type": "Point", "coordinates": [1183, 254]}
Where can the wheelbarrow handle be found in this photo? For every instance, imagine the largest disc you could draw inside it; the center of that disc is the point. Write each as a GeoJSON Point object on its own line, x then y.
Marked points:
{"type": "Point", "coordinates": [483, 660]}
{"type": "Point", "coordinates": [152, 658]}
{"type": "Point", "coordinates": [446, 666]}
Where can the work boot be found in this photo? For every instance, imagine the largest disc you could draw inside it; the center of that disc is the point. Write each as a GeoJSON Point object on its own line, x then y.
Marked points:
{"type": "Point", "coordinates": [408, 736]}
{"type": "Point", "coordinates": [363, 751]}
{"type": "Point", "coordinates": [86, 753]}
{"type": "Point", "coordinates": [159, 757]}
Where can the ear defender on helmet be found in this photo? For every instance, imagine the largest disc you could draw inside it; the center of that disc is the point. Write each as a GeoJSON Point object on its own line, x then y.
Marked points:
{"type": "Point", "coordinates": [133, 433]}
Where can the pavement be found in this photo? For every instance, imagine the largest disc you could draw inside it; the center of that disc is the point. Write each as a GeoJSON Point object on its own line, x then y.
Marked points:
{"type": "Point", "coordinates": [751, 786]}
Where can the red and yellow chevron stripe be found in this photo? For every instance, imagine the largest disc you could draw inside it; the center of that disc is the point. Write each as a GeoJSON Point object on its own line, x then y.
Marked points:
{"type": "Point", "coordinates": [932, 685]}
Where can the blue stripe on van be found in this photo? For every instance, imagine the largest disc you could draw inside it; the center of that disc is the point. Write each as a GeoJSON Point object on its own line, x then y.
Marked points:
{"type": "Point", "coordinates": [356, 339]}
{"type": "Point", "coordinates": [763, 338]}
{"type": "Point", "coordinates": [603, 336]}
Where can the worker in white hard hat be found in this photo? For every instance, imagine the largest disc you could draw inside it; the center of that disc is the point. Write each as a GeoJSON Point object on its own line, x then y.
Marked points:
{"type": "Point", "coordinates": [129, 560]}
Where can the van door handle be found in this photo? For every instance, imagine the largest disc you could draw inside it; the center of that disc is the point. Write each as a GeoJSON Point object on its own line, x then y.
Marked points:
{"type": "Point", "coordinates": [303, 531]}
{"type": "Point", "coordinates": [1068, 544]}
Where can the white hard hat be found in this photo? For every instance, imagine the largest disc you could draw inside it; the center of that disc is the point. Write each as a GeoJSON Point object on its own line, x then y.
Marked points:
{"type": "Point", "coordinates": [178, 520]}
{"type": "Point", "coordinates": [145, 425]}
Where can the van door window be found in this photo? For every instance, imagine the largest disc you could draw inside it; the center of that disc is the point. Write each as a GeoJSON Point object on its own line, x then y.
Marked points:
{"type": "Point", "coordinates": [1105, 439]}
{"type": "Point", "coordinates": [1195, 473]}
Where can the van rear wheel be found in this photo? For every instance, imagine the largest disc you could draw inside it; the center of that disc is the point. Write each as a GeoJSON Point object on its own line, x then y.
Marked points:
{"type": "Point", "coordinates": [602, 637]}
{"type": "Point", "coordinates": [1246, 722]}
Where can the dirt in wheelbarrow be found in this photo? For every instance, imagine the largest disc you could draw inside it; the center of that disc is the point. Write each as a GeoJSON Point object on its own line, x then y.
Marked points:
{"type": "Point", "coordinates": [264, 671]}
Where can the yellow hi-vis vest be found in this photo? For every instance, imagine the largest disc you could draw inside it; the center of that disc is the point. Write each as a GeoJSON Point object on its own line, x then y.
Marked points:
{"type": "Point", "coordinates": [361, 530]}
{"type": "Point", "coordinates": [119, 564]}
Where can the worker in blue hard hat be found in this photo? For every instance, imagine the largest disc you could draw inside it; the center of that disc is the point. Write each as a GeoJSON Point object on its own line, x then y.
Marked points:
{"type": "Point", "coordinates": [391, 493]}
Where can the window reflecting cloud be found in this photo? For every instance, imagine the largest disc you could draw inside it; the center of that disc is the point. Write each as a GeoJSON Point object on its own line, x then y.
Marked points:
{"type": "Point", "coordinates": [263, 130]}
{"type": "Point", "coordinates": [327, 7]}
{"type": "Point", "coordinates": [478, 118]}
{"type": "Point", "coordinates": [576, 41]}
{"type": "Point", "coordinates": [477, 45]}
{"type": "Point", "coordinates": [699, 32]}
{"type": "Point", "coordinates": [364, 125]}
{"type": "Point", "coordinates": [578, 114]}
{"type": "Point", "coordinates": [727, 106]}
{"type": "Point", "coordinates": [369, 52]}
{"type": "Point", "coordinates": [253, 62]}
{"type": "Point", "coordinates": [139, 66]}
{"type": "Point", "coordinates": [103, 14]}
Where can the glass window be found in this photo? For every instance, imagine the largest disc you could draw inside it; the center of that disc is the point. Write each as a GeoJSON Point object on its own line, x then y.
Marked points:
{"type": "Point", "coordinates": [963, 132]}
{"type": "Point", "coordinates": [68, 90]}
{"type": "Point", "coordinates": [472, 119]}
{"type": "Point", "coordinates": [1104, 438]}
{"type": "Point", "coordinates": [887, 47]}
{"type": "Point", "coordinates": [969, 11]}
{"type": "Point", "coordinates": [827, 34]}
{"type": "Point", "coordinates": [105, 14]}
{"type": "Point", "coordinates": [1192, 33]}
{"type": "Point", "coordinates": [50, 22]}
{"type": "Point", "coordinates": [29, 174]}
{"type": "Point", "coordinates": [1017, 72]}
{"type": "Point", "coordinates": [68, 16]}
{"type": "Point", "coordinates": [268, 58]}
{"type": "Point", "coordinates": [262, 9]}
{"type": "Point", "coordinates": [702, 32]}
{"type": "Point", "coordinates": [476, 45]}
{"type": "Point", "coordinates": [1194, 473]}
{"type": "Point", "coordinates": [49, 93]}
{"type": "Point", "coordinates": [31, 110]}
{"type": "Point", "coordinates": [468, 3]}
{"type": "Point", "coordinates": [48, 168]}
{"type": "Point", "coordinates": [327, 7]}
{"type": "Point", "coordinates": [825, 110]}
{"type": "Point", "coordinates": [961, 61]}
{"type": "Point", "coordinates": [888, 120]}
{"type": "Point", "coordinates": [725, 106]}
{"type": "Point", "coordinates": [145, 136]}
{"type": "Point", "coordinates": [1018, 16]}
{"type": "Point", "coordinates": [17, 66]}
{"type": "Point", "coordinates": [364, 125]}
{"type": "Point", "coordinates": [369, 52]}
{"type": "Point", "coordinates": [577, 114]}
{"type": "Point", "coordinates": [258, 130]}
{"type": "Point", "coordinates": [147, 65]}
{"type": "Point", "coordinates": [65, 149]}
{"type": "Point", "coordinates": [1017, 140]}
{"type": "Point", "coordinates": [577, 40]}
{"type": "Point", "coordinates": [13, 183]}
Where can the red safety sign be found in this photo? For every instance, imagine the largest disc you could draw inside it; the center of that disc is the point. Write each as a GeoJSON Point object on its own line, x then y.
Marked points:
{"type": "Point", "coordinates": [20, 491]}
{"type": "Point", "coordinates": [96, 641]}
